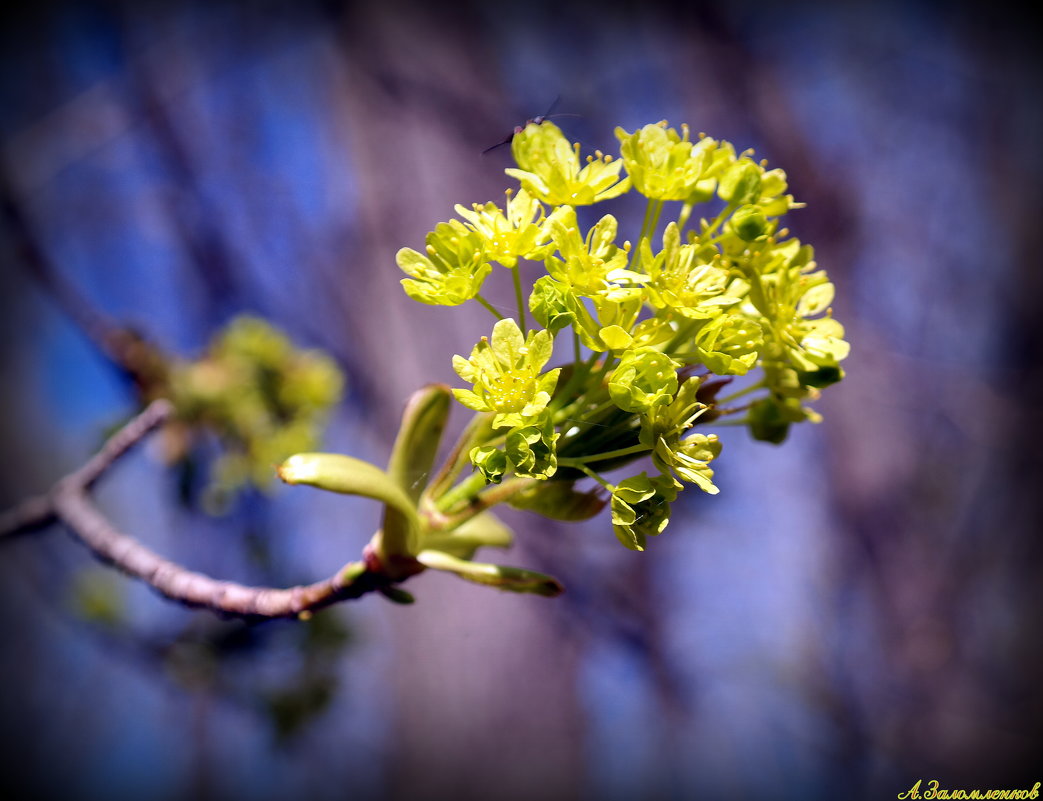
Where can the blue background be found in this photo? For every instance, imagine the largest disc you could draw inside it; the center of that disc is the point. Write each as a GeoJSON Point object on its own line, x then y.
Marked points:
{"type": "Point", "coordinates": [857, 609]}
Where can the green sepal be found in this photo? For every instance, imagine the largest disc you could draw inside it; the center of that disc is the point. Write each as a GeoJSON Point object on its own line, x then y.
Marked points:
{"type": "Point", "coordinates": [514, 579]}
{"type": "Point", "coordinates": [730, 344]}
{"type": "Point", "coordinates": [419, 435]}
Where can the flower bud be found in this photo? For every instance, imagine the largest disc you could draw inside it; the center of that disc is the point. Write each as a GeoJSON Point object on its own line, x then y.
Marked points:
{"type": "Point", "coordinates": [749, 223]}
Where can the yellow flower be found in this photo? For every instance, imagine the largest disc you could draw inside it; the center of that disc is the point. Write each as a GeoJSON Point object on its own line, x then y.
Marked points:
{"type": "Point", "coordinates": [549, 169]}
{"type": "Point", "coordinates": [681, 278]}
{"type": "Point", "coordinates": [517, 234]}
{"type": "Point", "coordinates": [506, 372]}
{"type": "Point", "coordinates": [451, 269]}
{"type": "Point", "coordinates": [662, 164]}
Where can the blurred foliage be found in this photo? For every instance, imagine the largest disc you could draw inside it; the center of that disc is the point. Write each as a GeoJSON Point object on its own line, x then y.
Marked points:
{"type": "Point", "coordinates": [259, 396]}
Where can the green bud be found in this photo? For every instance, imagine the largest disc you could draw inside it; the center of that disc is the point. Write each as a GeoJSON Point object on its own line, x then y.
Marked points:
{"type": "Point", "coordinates": [822, 377]}
{"type": "Point", "coordinates": [531, 451]}
{"type": "Point", "coordinates": [396, 595]}
{"type": "Point", "coordinates": [490, 462]}
{"type": "Point", "coordinates": [768, 423]}
{"type": "Point", "coordinates": [641, 509]}
{"type": "Point", "coordinates": [644, 378]}
{"type": "Point", "coordinates": [749, 223]}
{"type": "Point", "coordinates": [553, 304]}
{"type": "Point", "coordinates": [559, 500]}
{"type": "Point", "coordinates": [741, 182]}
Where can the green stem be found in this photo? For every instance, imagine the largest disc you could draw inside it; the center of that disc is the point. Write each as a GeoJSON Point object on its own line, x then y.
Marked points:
{"type": "Point", "coordinates": [720, 218]}
{"type": "Point", "coordinates": [579, 375]}
{"type": "Point", "coordinates": [489, 306]}
{"type": "Point", "coordinates": [456, 460]}
{"type": "Point", "coordinates": [655, 219]}
{"type": "Point", "coordinates": [684, 329]}
{"type": "Point", "coordinates": [487, 499]}
{"type": "Point", "coordinates": [600, 457]}
{"type": "Point", "coordinates": [740, 393]}
{"type": "Point", "coordinates": [519, 297]}
{"type": "Point", "coordinates": [682, 218]}
{"type": "Point", "coordinates": [644, 222]}
{"type": "Point", "coordinates": [650, 212]}
{"type": "Point", "coordinates": [593, 414]}
{"type": "Point", "coordinates": [595, 476]}
{"type": "Point", "coordinates": [734, 410]}
{"type": "Point", "coordinates": [465, 490]}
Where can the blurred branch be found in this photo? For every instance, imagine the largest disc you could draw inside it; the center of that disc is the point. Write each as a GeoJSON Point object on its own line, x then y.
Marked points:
{"type": "Point", "coordinates": [124, 348]}
{"type": "Point", "coordinates": [69, 503]}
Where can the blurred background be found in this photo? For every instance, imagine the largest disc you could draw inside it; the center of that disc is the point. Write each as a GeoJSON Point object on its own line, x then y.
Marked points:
{"type": "Point", "coordinates": [858, 609]}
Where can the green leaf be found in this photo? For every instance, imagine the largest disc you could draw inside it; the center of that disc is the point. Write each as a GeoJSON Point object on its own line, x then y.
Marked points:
{"type": "Point", "coordinates": [344, 474]}
{"type": "Point", "coordinates": [419, 435]}
{"type": "Point", "coordinates": [514, 579]}
{"type": "Point", "coordinates": [482, 531]}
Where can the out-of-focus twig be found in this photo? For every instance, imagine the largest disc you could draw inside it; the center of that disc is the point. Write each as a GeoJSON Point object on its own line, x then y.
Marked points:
{"type": "Point", "coordinates": [68, 502]}
{"type": "Point", "coordinates": [124, 348]}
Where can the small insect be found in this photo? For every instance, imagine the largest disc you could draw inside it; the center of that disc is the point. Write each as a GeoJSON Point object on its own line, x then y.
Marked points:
{"type": "Point", "coordinates": [538, 120]}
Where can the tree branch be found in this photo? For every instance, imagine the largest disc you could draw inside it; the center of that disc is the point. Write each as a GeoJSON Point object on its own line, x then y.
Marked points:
{"type": "Point", "coordinates": [127, 350]}
{"type": "Point", "coordinates": [69, 503]}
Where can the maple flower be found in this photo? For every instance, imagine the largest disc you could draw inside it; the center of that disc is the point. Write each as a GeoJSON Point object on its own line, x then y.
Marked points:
{"type": "Point", "coordinates": [453, 269]}
{"type": "Point", "coordinates": [505, 372]}
{"type": "Point", "coordinates": [662, 164]}
{"type": "Point", "coordinates": [549, 168]}
{"type": "Point", "coordinates": [518, 233]}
